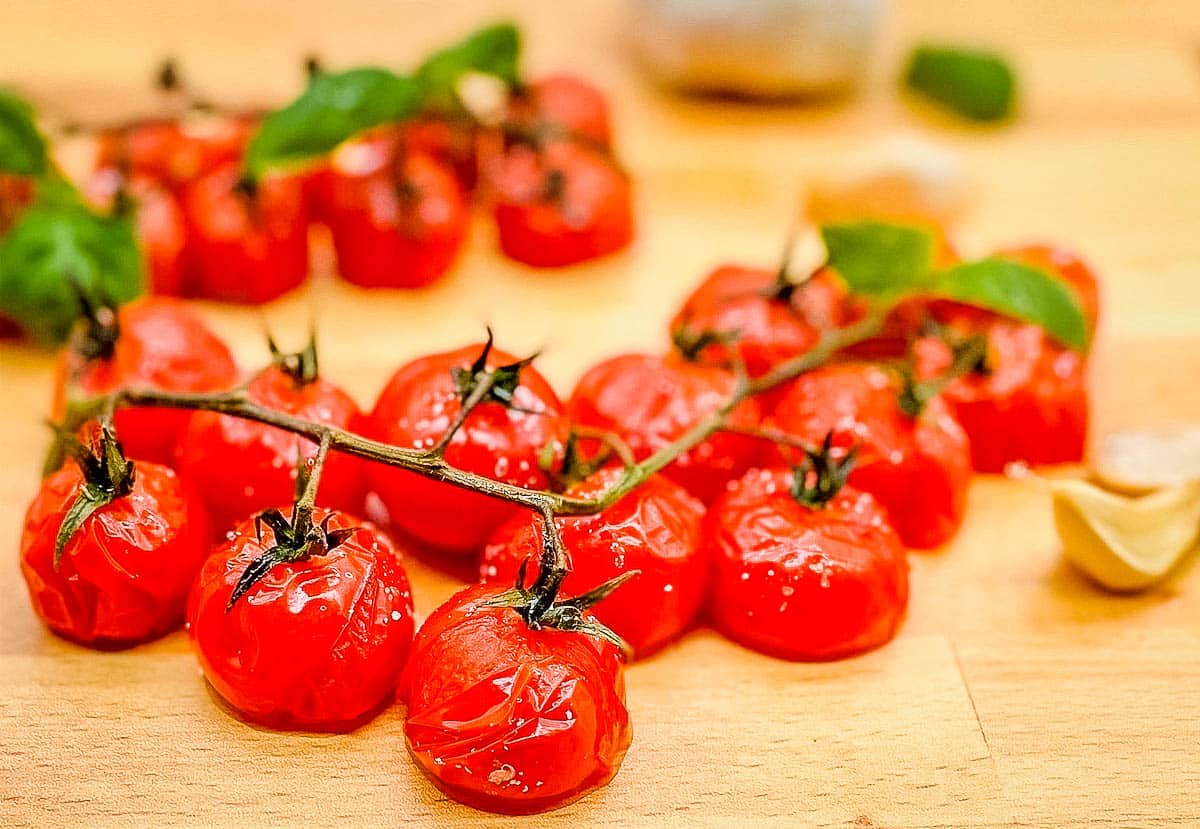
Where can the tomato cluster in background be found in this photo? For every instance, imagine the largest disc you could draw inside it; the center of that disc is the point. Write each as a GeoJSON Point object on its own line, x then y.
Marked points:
{"type": "Point", "coordinates": [396, 200]}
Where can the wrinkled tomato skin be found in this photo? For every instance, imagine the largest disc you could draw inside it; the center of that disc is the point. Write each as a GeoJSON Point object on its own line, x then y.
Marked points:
{"type": "Point", "coordinates": [415, 409]}
{"type": "Point", "coordinates": [125, 574]}
{"type": "Point", "coordinates": [567, 102]}
{"type": "Point", "coordinates": [650, 401]}
{"type": "Point", "coordinates": [318, 644]}
{"type": "Point", "coordinates": [1032, 404]}
{"type": "Point", "coordinates": [241, 467]}
{"type": "Point", "coordinates": [655, 529]}
{"type": "Point", "coordinates": [163, 345]}
{"type": "Point", "coordinates": [247, 249]}
{"type": "Point", "coordinates": [1068, 267]}
{"type": "Point", "coordinates": [590, 218]}
{"type": "Point", "coordinates": [509, 719]}
{"type": "Point", "coordinates": [735, 299]}
{"type": "Point", "coordinates": [917, 468]}
{"type": "Point", "coordinates": [397, 228]}
{"type": "Point", "coordinates": [800, 583]}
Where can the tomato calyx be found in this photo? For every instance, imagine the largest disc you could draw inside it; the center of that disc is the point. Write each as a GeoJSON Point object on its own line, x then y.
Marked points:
{"type": "Point", "coordinates": [107, 476]}
{"type": "Point", "coordinates": [691, 342]}
{"type": "Point", "coordinates": [477, 384]}
{"type": "Point", "coordinates": [100, 329]}
{"type": "Point", "coordinates": [300, 366]}
{"type": "Point", "coordinates": [541, 608]}
{"type": "Point", "coordinates": [295, 540]}
{"type": "Point", "coordinates": [821, 476]}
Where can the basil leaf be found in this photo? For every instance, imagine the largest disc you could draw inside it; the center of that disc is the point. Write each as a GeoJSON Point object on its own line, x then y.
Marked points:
{"type": "Point", "coordinates": [22, 148]}
{"type": "Point", "coordinates": [334, 107]}
{"type": "Point", "coordinates": [54, 243]}
{"type": "Point", "coordinates": [495, 50]}
{"type": "Point", "coordinates": [879, 259]}
{"type": "Point", "coordinates": [977, 85]}
{"type": "Point", "coordinates": [1016, 290]}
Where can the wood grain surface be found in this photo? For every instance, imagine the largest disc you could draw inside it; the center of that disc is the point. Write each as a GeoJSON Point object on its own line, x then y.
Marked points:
{"type": "Point", "coordinates": [1016, 694]}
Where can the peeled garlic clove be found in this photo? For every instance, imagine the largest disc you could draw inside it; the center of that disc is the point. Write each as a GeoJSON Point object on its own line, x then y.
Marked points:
{"type": "Point", "coordinates": [902, 178]}
{"type": "Point", "coordinates": [1142, 461]}
{"type": "Point", "coordinates": [1125, 543]}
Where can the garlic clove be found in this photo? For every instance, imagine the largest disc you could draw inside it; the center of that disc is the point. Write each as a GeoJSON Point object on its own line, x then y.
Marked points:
{"type": "Point", "coordinates": [1125, 543]}
{"type": "Point", "coordinates": [1144, 460]}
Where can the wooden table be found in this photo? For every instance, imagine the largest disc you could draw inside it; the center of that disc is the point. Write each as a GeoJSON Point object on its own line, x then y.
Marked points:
{"type": "Point", "coordinates": [1016, 694]}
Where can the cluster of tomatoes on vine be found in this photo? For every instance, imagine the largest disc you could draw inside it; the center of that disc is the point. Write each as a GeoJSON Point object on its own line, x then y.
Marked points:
{"type": "Point", "coordinates": [395, 199]}
{"type": "Point", "coordinates": [786, 528]}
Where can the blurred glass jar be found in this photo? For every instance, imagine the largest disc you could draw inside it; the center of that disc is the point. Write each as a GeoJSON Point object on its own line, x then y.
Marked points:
{"type": "Point", "coordinates": [756, 48]}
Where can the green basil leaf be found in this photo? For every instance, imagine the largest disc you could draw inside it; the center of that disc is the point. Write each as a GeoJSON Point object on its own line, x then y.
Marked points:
{"type": "Point", "coordinates": [879, 259]}
{"type": "Point", "coordinates": [977, 85]}
{"type": "Point", "coordinates": [334, 107]}
{"type": "Point", "coordinates": [22, 148]}
{"type": "Point", "coordinates": [54, 243]}
{"type": "Point", "coordinates": [495, 50]}
{"type": "Point", "coordinates": [1016, 290]}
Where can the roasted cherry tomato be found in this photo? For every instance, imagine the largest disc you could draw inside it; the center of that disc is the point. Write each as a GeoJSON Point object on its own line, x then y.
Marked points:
{"type": "Point", "coordinates": [449, 140]}
{"type": "Point", "coordinates": [766, 319]}
{"type": "Point", "coordinates": [501, 442]}
{"type": "Point", "coordinates": [1067, 266]}
{"type": "Point", "coordinates": [654, 529]}
{"type": "Point", "coordinates": [155, 343]}
{"type": "Point", "coordinates": [566, 102]}
{"type": "Point", "coordinates": [917, 467]}
{"type": "Point", "coordinates": [651, 401]}
{"type": "Point", "coordinates": [401, 225]}
{"type": "Point", "coordinates": [560, 204]}
{"type": "Point", "coordinates": [247, 243]}
{"type": "Point", "coordinates": [241, 467]}
{"type": "Point", "coordinates": [124, 575]}
{"type": "Point", "coordinates": [804, 580]}
{"type": "Point", "coordinates": [176, 151]}
{"type": "Point", "coordinates": [316, 643]}
{"type": "Point", "coordinates": [510, 719]}
{"type": "Point", "coordinates": [1027, 401]}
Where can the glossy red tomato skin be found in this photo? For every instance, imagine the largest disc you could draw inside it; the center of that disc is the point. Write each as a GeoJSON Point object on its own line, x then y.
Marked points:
{"type": "Point", "coordinates": [769, 330]}
{"type": "Point", "coordinates": [650, 401]}
{"type": "Point", "coordinates": [1032, 404]}
{"type": "Point", "coordinates": [317, 644]}
{"type": "Point", "coordinates": [1068, 267]}
{"type": "Point", "coordinates": [591, 217]}
{"type": "Point", "coordinates": [247, 249]}
{"type": "Point", "coordinates": [917, 468]}
{"type": "Point", "coordinates": [567, 102]}
{"type": "Point", "coordinates": [509, 719]}
{"type": "Point", "coordinates": [800, 583]}
{"type": "Point", "coordinates": [164, 345]}
{"type": "Point", "coordinates": [397, 228]}
{"type": "Point", "coordinates": [415, 409]}
{"type": "Point", "coordinates": [655, 529]}
{"type": "Point", "coordinates": [124, 577]}
{"type": "Point", "coordinates": [176, 152]}
{"type": "Point", "coordinates": [242, 467]}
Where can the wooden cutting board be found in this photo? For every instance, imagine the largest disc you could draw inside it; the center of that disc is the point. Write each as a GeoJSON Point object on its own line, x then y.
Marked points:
{"type": "Point", "coordinates": [1016, 694]}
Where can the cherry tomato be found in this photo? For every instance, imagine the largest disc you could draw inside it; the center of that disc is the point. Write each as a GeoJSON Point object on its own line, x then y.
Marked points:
{"type": "Point", "coordinates": [125, 574]}
{"type": "Point", "coordinates": [804, 582]}
{"type": "Point", "coordinates": [247, 245]}
{"type": "Point", "coordinates": [1027, 402]}
{"type": "Point", "coordinates": [316, 644]}
{"type": "Point", "coordinates": [160, 344]}
{"type": "Point", "coordinates": [1067, 266]}
{"type": "Point", "coordinates": [450, 141]}
{"type": "Point", "coordinates": [241, 467]}
{"type": "Point", "coordinates": [510, 719]}
{"type": "Point", "coordinates": [400, 226]}
{"type": "Point", "coordinates": [769, 322]}
{"type": "Point", "coordinates": [651, 401]}
{"type": "Point", "coordinates": [567, 102]}
{"type": "Point", "coordinates": [918, 468]}
{"type": "Point", "coordinates": [417, 407]}
{"type": "Point", "coordinates": [561, 205]}
{"type": "Point", "coordinates": [176, 152]}
{"type": "Point", "coordinates": [655, 529]}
